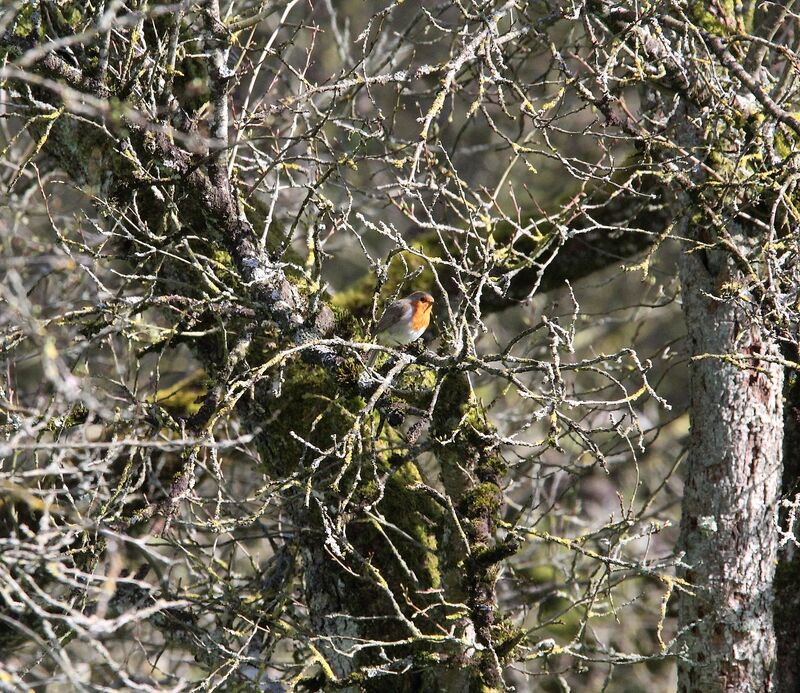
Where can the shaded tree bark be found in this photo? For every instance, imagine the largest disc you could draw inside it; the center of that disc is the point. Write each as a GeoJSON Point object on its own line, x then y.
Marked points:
{"type": "Point", "coordinates": [787, 572]}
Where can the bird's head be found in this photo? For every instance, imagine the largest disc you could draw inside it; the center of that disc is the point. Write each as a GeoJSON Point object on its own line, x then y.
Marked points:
{"type": "Point", "coordinates": [421, 300]}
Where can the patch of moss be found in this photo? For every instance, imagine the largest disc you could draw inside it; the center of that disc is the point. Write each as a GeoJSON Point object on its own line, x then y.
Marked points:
{"type": "Point", "coordinates": [482, 498]}
{"type": "Point", "coordinates": [507, 637]}
{"type": "Point", "coordinates": [414, 513]}
{"type": "Point", "coordinates": [784, 143]}
{"type": "Point", "coordinates": [452, 405]}
{"type": "Point", "coordinates": [71, 13]}
{"type": "Point", "coordinates": [717, 17]}
{"type": "Point", "coordinates": [310, 407]}
{"type": "Point", "coordinates": [347, 325]}
{"type": "Point", "coordinates": [495, 464]}
{"type": "Point", "coordinates": [24, 21]}
{"type": "Point", "coordinates": [367, 493]}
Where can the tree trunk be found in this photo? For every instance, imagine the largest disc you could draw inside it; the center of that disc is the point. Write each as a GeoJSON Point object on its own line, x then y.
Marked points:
{"type": "Point", "coordinates": [733, 476]}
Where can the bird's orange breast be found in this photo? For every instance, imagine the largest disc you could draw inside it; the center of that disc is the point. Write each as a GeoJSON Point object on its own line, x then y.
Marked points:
{"type": "Point", "coordinates": [421, 317]}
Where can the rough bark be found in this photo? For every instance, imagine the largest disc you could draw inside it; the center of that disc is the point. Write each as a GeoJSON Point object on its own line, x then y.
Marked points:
{"type": "Point", "coordinates": [732, 486]}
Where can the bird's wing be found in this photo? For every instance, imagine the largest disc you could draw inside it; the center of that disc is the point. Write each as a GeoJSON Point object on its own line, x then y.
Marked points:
{"type": "Point", "coordinates": [391, 316]}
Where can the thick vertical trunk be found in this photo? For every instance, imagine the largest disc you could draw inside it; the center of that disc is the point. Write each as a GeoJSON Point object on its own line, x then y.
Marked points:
{"type": "Point", "coordinates": [733, 476]}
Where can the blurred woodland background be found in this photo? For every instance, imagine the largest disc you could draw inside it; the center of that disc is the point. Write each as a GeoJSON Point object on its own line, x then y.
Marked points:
{"type": "Point", "coordinates": [205, 207]}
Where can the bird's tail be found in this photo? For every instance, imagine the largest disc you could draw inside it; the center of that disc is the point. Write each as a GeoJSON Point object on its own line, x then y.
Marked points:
{"type": "Point", "coordinates": [371, 356]}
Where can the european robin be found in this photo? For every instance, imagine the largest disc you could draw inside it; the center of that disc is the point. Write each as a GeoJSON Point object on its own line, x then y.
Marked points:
{"type": "Point", "coordinates": [405, 320]}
